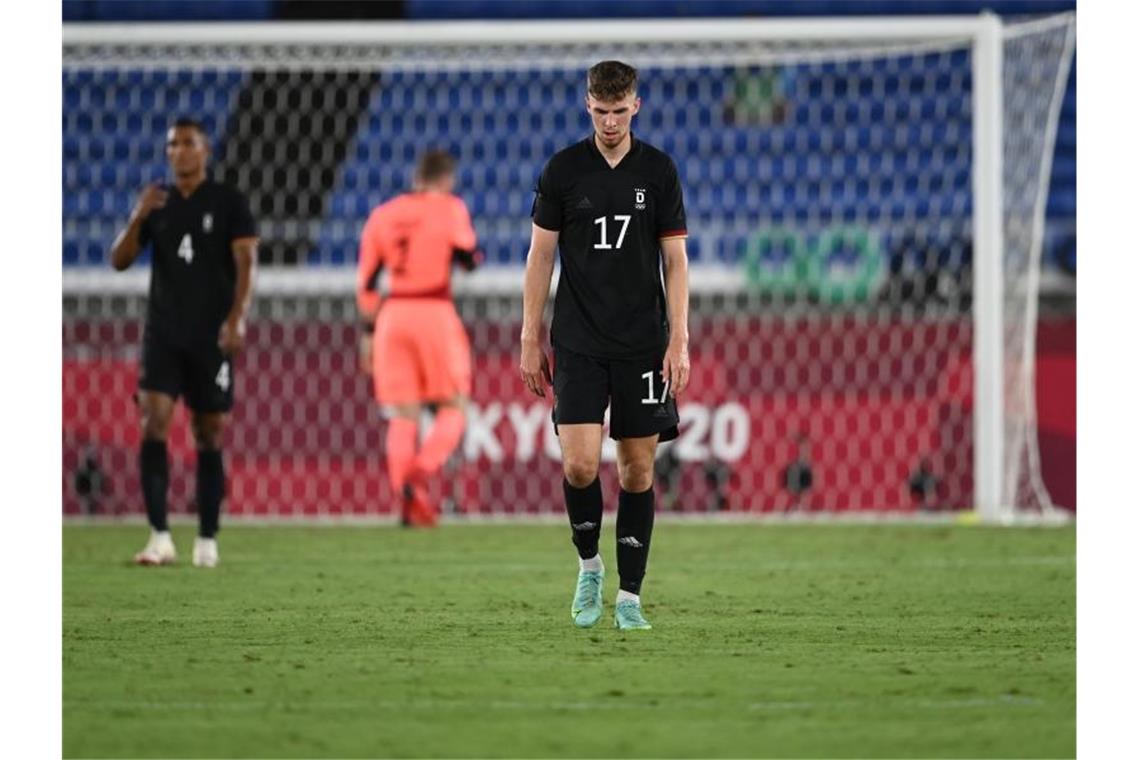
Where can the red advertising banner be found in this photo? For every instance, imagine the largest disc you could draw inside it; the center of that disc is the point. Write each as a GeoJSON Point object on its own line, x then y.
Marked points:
{"type": "Point", "coordinates": [835, 413]}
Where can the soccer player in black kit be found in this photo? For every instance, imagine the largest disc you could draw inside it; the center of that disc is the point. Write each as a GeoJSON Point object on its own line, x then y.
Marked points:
{"type": "Point", "coordinates": [204, 243]}
{"type": "Point", "coordinates": [612, 206]}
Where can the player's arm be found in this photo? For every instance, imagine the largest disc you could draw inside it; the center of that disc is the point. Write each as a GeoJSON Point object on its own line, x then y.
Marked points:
{"type": "Point", "coordinates": [369, 266]}
{"type": "Point", "coordinates": [243, 247]}
{"type": "Point", "coordinates": [676, 262]}
{"type": "Point", "coordinates": [231, 339]}
{"type": "Point", "coordinates": [128, 243]}
{"type": "Point", "coordinates": [671, 232]}
{"type": "Point", "coordinates": [465, 250]}
{"type": "Point", "coordinates": [468, 259]}
{"type": "Point", "coordinates": [533, 364]}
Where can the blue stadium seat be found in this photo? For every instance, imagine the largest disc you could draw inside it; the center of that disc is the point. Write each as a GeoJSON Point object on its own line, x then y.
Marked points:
{"type": "Point", "coordinates": [904, 122]}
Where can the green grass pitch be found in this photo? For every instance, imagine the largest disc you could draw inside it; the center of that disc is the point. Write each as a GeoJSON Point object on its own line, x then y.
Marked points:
{"type": "Point", "coordinates": [768, 641]}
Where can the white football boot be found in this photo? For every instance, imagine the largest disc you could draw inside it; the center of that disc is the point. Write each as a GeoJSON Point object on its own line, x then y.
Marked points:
{"type": "Point", "coordinates": [159, 550]}
{"type": "Point", "coordinates": [205, 552]}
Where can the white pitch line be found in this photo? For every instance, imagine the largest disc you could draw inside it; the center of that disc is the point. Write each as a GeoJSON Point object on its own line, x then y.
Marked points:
{"type": "Point", "coordinates": [607, 703]}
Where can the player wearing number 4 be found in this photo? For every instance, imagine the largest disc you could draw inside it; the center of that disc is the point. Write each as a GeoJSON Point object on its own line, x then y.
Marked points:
{"type": "Point", "coordinates": [204, 250]}
{"type": "Point", "coordinates": [612, 206]}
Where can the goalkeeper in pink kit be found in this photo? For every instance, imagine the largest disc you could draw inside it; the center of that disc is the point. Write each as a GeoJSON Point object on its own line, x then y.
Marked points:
{"type": "Point", "coordinates": [415, 346]}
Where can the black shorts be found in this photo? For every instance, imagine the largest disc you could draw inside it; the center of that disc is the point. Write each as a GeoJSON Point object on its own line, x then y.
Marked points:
{"type": "Point", "coordinates": [639, 404]}
{"type": "Point", "coordinates": [202, 373]}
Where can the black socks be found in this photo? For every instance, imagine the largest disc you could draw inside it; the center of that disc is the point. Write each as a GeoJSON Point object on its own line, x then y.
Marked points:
{"type": "Point", "coordinates": [634, 529]}
{"type": "Point", "coordinates": [211, 489]}
{"type": "Point", "coordinates": [584, 507]}
{"type": "Point", "coordinates": [155, 476]}
{"type": "Point", "coordinates": [155, 470]}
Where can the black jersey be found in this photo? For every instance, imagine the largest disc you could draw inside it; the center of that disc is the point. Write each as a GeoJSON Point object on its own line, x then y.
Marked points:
{"type": "Point", "coordinates": [610, 300]}
{"type": "Point", "coordinates": [193, 271]}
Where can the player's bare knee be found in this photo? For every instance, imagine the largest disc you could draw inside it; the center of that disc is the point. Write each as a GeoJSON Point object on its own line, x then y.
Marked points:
{"type": "Point", "coordinates": [636, 477]}
{"type": "Point", "coordinates": [208, 432]}
{"type": "Point", "coordinates": [154, 430]}
{"type": "Point", "coordinates": [208, 441]}
{"type": "Point", "coordinates": [580, 472]}
{"type": "Point", "coordinates": [155, 424]}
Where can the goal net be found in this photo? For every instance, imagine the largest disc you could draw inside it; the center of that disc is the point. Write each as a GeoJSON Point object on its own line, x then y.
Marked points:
{"type": "Point", "coordinates": [865, 201]}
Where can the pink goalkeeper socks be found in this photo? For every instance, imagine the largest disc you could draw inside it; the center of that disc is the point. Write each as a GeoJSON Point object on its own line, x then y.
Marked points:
{"type": "Point", "coordinates": [401, 449]}
{"type": "Point", "coordinates": [445, 434]}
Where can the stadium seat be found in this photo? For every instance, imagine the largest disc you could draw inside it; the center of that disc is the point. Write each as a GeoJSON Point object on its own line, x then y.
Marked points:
{"type": "Point", "coordinates": [502, 125]}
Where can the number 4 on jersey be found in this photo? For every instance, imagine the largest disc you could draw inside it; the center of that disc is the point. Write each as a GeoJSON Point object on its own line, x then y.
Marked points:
{"type": "Point", "coordinates": [186, 248]}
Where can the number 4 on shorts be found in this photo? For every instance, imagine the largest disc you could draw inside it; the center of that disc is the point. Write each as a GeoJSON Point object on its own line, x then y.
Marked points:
{"type": "Point", "coordinates": [223, 376]}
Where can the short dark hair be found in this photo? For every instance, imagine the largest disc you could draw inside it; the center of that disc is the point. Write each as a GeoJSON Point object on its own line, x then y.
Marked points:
{"type": "Point", "coordinates": [434, 164]}
{"type": "Point", "coordinates": [611, 80]}
{"type": "Point", "coordinates": [191, 122]}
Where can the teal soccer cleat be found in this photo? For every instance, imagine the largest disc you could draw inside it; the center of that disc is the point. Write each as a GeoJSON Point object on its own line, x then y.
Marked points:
{"type": "Point", "coordinates": [628, 617]}
{"type": "Point", "coordinates": [586, 609]}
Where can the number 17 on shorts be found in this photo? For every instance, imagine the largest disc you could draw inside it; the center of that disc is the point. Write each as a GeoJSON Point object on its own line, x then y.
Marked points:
{"type": "Point", "coordinates": [650, 398]}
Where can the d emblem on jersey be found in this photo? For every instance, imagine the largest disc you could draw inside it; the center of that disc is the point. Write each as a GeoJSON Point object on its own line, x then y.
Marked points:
{"type": "Point", "coordinates": [207, 222]}
{"type": "Point", "coordinates": [639, 198]}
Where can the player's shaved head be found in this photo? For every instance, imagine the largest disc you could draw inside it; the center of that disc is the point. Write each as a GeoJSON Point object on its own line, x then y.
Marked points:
{"type": "Point", "coordinates": [187, 147]}
{"type": "Point", "coordinates": [434, 165]}
{"type": "Point", "coordinates": [611, 80]}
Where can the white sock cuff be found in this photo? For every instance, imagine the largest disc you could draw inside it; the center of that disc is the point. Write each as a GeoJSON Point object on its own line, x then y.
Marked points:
{"type": "Point", "coordinates": [593, 564]}
{"type": "Point", "coordinates": [625, 596]}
